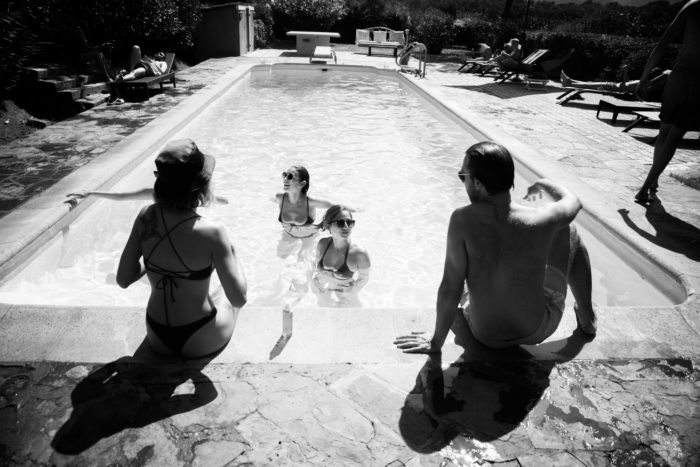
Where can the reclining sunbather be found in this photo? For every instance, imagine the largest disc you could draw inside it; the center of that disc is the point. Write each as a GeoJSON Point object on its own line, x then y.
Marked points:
{"type": "Point", "coordinates": [545, 67]}
{"type": "Point", "coordinates": [511, 54]}
{"type": "Point", "coordinates": [657, 82]}
{"type": "Point", "coordinates": [138, 68]}
{"type": "Point", "coordinates": [142, 66]}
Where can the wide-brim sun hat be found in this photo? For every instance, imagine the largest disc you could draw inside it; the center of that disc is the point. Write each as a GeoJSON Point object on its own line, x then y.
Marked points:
{"type": "Point", "coordinates": [182, 168]}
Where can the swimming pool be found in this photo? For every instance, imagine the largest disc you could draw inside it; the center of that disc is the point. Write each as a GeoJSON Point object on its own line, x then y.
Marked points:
{"type": "Point", "coordinates": [369, 141]}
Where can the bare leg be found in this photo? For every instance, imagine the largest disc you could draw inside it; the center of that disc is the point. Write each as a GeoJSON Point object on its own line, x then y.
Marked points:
{"type": "Point", "coordinates": [568, 253]}
{"type": "Point", "coordinates": [135, 57]}
{"type": "Point", "coordinates": [135, 70]}
{"type": "Point", "coordinates": [664, 149]}
{"type": "Point", "coordinates": [595, 85]}
{"type": "Point", "coordinates": [216, 333]}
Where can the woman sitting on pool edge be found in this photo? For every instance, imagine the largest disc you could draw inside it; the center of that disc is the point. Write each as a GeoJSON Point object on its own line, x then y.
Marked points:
{"type": "Point", "coordinates": [180, 250]}
{"type": "Point", "coordinates": [297, 211]}
{"type": "Point", "coordinates": [342, 266]}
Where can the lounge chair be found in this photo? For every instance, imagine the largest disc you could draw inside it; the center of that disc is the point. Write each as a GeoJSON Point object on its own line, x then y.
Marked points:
{"type": "Point", "coordinates": [479, 65]}
{"type": "Point", "coordinates": [146, 81]}
{"type": "Point", "coordinates": [473, 61]}
{"type": "Point", "coordinates": [571, 93]}
{"type": "Point", "coordinates": [651, 116]}
{"type": "Point", "coordinates": [529, 60]}
{"type": "Point", "coordinates": [323, 53]}
{"type": "Point", "coordinates": [617, 106]}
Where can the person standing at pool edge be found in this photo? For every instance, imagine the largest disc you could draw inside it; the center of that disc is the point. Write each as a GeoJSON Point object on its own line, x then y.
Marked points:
{"type": "Point", "coordinates": [180, 250]}
{"type": "Point", "coordinates": [681, 97]}
{"type": "Point", "coordinates": [517, 260]}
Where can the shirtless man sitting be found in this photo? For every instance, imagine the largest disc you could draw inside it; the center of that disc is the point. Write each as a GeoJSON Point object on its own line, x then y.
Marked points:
{"type": "Point", "coordinates": [517, 260]}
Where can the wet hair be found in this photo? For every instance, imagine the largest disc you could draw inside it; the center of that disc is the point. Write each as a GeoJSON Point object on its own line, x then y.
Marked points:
{"type": "Point", "coordinates": [303, 174]}
{"type": "Point", "coordinates": [332, 214]}
{"type": "Point", "coordinates": [202, 196]}
{"type": "Point", "coordinates": [492, 165]}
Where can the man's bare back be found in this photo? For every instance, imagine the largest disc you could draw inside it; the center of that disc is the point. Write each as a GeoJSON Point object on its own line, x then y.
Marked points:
{"type": "Point", "coordinates": [516, 259]}
{"type": "Point", "coordinates": [507, 254]}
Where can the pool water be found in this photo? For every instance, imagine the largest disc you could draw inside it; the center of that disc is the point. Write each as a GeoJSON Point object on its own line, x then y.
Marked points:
{"type": "Point", "coordinates": [367, 140]}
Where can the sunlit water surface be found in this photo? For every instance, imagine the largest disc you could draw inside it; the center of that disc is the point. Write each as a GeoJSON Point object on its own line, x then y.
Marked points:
{"type": "Point", "coordinates": [367, 141]}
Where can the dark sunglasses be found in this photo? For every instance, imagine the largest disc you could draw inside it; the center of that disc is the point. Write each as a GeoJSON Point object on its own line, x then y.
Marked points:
{"type": "Point", "coordinates": [462, 176]}
{"type": "Point", "coordinates": [342, 223]}
{"type": "Point", "coordinates": [288, 175]}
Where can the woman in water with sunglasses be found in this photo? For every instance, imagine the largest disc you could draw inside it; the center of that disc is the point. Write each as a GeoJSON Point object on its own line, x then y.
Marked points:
{"type": "Point", "coordinates": [297, 212]}
{"type": "Point", "coordinates": [342, 266]}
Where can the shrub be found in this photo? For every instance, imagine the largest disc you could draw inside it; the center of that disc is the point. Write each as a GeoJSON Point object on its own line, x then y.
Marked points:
{"type": "Point", "coordinates": [263, 24]}
{"type": "Point", "coordinates": [362, 14]}
{"type": "Point", "coordinates": [313, 15]}
{"type": "Point", "coordinates": [14, 49]}
{"type": "Point", "coordinates": [434, 29]}
{"type": "Point", "coordinates": [470, 31]}
{"type": "Point", "coordinates": [598, 57]}
{"type": "Point", "coordinates": [152, 24]}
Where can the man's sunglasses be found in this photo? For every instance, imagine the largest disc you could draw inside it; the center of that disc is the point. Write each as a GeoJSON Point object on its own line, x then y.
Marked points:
{"type": "Point", "coordinates": [288, 175]}
{"type": "Point", "coordinates": [342, 223]}
{"type": "Point", "coordinates": [462, 176]}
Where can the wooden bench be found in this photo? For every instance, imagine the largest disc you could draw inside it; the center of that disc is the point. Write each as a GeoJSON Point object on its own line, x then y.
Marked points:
{"type": "Point", "coordinates": [307, 41]}
{"type": "Point", "coordinates": [147, 81]}
{"type": "Point", "coordinates": [380, 37]}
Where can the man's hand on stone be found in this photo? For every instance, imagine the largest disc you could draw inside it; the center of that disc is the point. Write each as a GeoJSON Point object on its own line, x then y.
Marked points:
{"type": "Point", "coordinates": [415, 343]}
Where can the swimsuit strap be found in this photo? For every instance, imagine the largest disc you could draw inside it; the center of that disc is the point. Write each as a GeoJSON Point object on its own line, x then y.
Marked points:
{"type": "Point", "coordinates": [170, 240]}
{"type": "Point", "coordinates": [345, 260]}
{"type": "Point", "coordinates": [309, 219]}
{"type": "Point", "coordinates": [320, 263]}
{"type": "Point", "coordinates": [279, 218]}
{"type": "Point", "coordinates": [167, 235]}
{"type": "Point", "coordinates": [167, 278]}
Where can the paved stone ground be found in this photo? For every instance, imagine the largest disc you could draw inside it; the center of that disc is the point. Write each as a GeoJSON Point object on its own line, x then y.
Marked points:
{"type": "Point", "coordinates": [504, 408]}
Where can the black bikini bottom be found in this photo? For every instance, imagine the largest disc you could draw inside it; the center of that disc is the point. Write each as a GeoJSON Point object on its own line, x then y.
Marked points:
{"type": "Point", "coordinates": [175, 337]}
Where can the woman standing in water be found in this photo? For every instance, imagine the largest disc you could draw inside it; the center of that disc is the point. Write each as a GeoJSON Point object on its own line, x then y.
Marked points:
{"type": "Point", "coordinates": [342, 266]}
{"type": "Point", "coordinates": [297, 212]}
{"type": "Point", "coordinates": [180, 250]}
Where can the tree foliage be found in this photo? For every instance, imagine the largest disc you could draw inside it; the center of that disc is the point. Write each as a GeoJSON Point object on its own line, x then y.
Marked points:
{"type": "Point", "coordinates": [314, 15]}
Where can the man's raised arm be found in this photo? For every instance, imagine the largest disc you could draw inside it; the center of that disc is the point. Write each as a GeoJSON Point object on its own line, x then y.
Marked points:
{"type": "Point", "coordinates": [566, 204]}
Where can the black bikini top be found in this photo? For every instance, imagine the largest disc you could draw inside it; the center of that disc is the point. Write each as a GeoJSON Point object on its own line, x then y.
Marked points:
{"type": "Point", "coordinates": [343, 270]}
{"type": "Point", "coordinates": [167, 279]}
{"type": "Point", "coordinates": [309, 219]}
{"type": "Point", "coordinates": [187, 274]}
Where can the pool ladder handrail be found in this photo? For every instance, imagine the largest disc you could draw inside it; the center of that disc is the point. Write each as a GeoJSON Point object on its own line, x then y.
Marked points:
{"type": "Point", "coordinates": [405, 55]}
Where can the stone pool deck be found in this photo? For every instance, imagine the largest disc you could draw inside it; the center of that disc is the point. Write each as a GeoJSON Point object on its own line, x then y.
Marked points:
{"type": "Point", "coordinates": [97, 396]}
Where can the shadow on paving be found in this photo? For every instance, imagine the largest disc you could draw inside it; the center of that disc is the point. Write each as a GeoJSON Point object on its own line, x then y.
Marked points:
{"type": "Point", "coordinates": [606, 411]}
{"type": "Point", "coordinates": [514, 90]}
{"type": "Point", "coordinates": [128, 393]}
{"type": "Point", "coordinates": [490, 392]}
{"type": "Point", "coordinates": [670, 232]}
